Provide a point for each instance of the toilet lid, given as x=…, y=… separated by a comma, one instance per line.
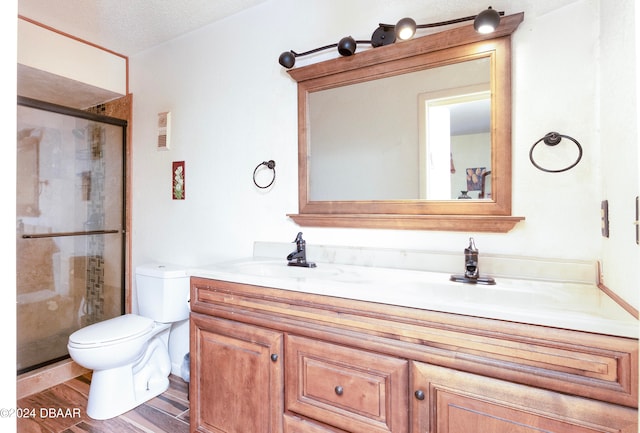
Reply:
x=118, y=328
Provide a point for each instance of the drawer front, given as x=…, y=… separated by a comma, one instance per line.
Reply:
x=295, y=424
x=351, y=389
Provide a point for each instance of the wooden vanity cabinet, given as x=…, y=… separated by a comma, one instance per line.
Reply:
x=277, y=361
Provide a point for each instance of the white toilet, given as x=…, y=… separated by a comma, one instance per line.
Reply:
x=129, y=354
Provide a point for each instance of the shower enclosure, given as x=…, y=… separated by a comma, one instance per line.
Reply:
x=70, y=226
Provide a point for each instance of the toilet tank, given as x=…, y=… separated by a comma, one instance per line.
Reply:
x=162, y=292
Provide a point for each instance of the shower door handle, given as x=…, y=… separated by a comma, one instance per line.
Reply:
x=61, y=234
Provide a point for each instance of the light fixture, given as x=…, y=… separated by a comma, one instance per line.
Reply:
x=346, y=47
x=485, y=22
x=405, y=28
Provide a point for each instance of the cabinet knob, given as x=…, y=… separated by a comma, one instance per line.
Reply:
x=419, y=394
x=274, y=357
x=338, y=389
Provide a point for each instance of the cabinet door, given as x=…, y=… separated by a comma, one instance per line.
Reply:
x=237, y=379
x=450, y=401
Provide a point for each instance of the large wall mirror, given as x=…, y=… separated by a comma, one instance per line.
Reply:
x=405, y=137
x=413, y=135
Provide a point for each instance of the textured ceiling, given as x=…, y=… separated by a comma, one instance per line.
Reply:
x=129, y=26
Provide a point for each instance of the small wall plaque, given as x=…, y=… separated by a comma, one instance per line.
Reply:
x=177, y=173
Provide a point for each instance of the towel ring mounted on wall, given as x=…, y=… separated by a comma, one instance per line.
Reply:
x=552, y=139
x=271, y=164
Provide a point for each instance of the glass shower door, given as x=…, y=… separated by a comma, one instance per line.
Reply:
x=70, y=233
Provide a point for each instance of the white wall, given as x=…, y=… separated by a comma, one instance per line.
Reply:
x=42, y=49
x=233, y=107
x=619, y=136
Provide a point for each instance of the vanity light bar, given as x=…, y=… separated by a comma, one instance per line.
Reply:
x=485, y=22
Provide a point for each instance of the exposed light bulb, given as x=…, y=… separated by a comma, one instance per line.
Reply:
x=486, y=28
x=487, y=21
x=405, y=28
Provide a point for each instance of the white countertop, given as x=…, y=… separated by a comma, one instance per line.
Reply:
x=569, y=305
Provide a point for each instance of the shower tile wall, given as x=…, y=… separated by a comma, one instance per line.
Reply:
x=95, y=220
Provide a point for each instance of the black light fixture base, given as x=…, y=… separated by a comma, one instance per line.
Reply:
x=383, y=36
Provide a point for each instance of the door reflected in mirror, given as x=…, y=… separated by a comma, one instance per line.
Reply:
x=455, y=140
x=405, y=137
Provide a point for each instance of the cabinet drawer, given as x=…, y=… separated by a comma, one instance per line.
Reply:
x=351, y=389
x=294, y=424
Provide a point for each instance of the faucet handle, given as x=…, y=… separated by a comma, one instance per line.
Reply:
x=472, y=245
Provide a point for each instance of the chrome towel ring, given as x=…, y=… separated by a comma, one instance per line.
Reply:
x=552, y=139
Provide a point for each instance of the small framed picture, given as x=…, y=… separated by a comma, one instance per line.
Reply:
x=474, y=178
x=177, y=176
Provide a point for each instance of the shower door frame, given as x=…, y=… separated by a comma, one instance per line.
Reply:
x=60, y=109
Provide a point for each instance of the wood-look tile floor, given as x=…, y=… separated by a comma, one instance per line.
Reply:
x=62, y=409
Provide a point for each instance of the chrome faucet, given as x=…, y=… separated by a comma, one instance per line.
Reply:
x=471, y=260
x=299, y=256
x=471, y=269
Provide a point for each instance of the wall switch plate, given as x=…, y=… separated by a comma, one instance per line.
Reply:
x=604, y=218
x=637, y=221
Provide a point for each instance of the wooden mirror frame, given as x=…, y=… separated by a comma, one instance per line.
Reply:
x=439, y=49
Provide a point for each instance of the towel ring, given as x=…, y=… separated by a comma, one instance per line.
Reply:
x=552, y=139
x=271, y=164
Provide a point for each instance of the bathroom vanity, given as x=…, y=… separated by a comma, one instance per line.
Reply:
x=365, y=349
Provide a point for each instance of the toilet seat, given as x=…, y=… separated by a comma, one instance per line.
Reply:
x=112, y=331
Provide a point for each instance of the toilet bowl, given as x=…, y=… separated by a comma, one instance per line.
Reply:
x=129, y=354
